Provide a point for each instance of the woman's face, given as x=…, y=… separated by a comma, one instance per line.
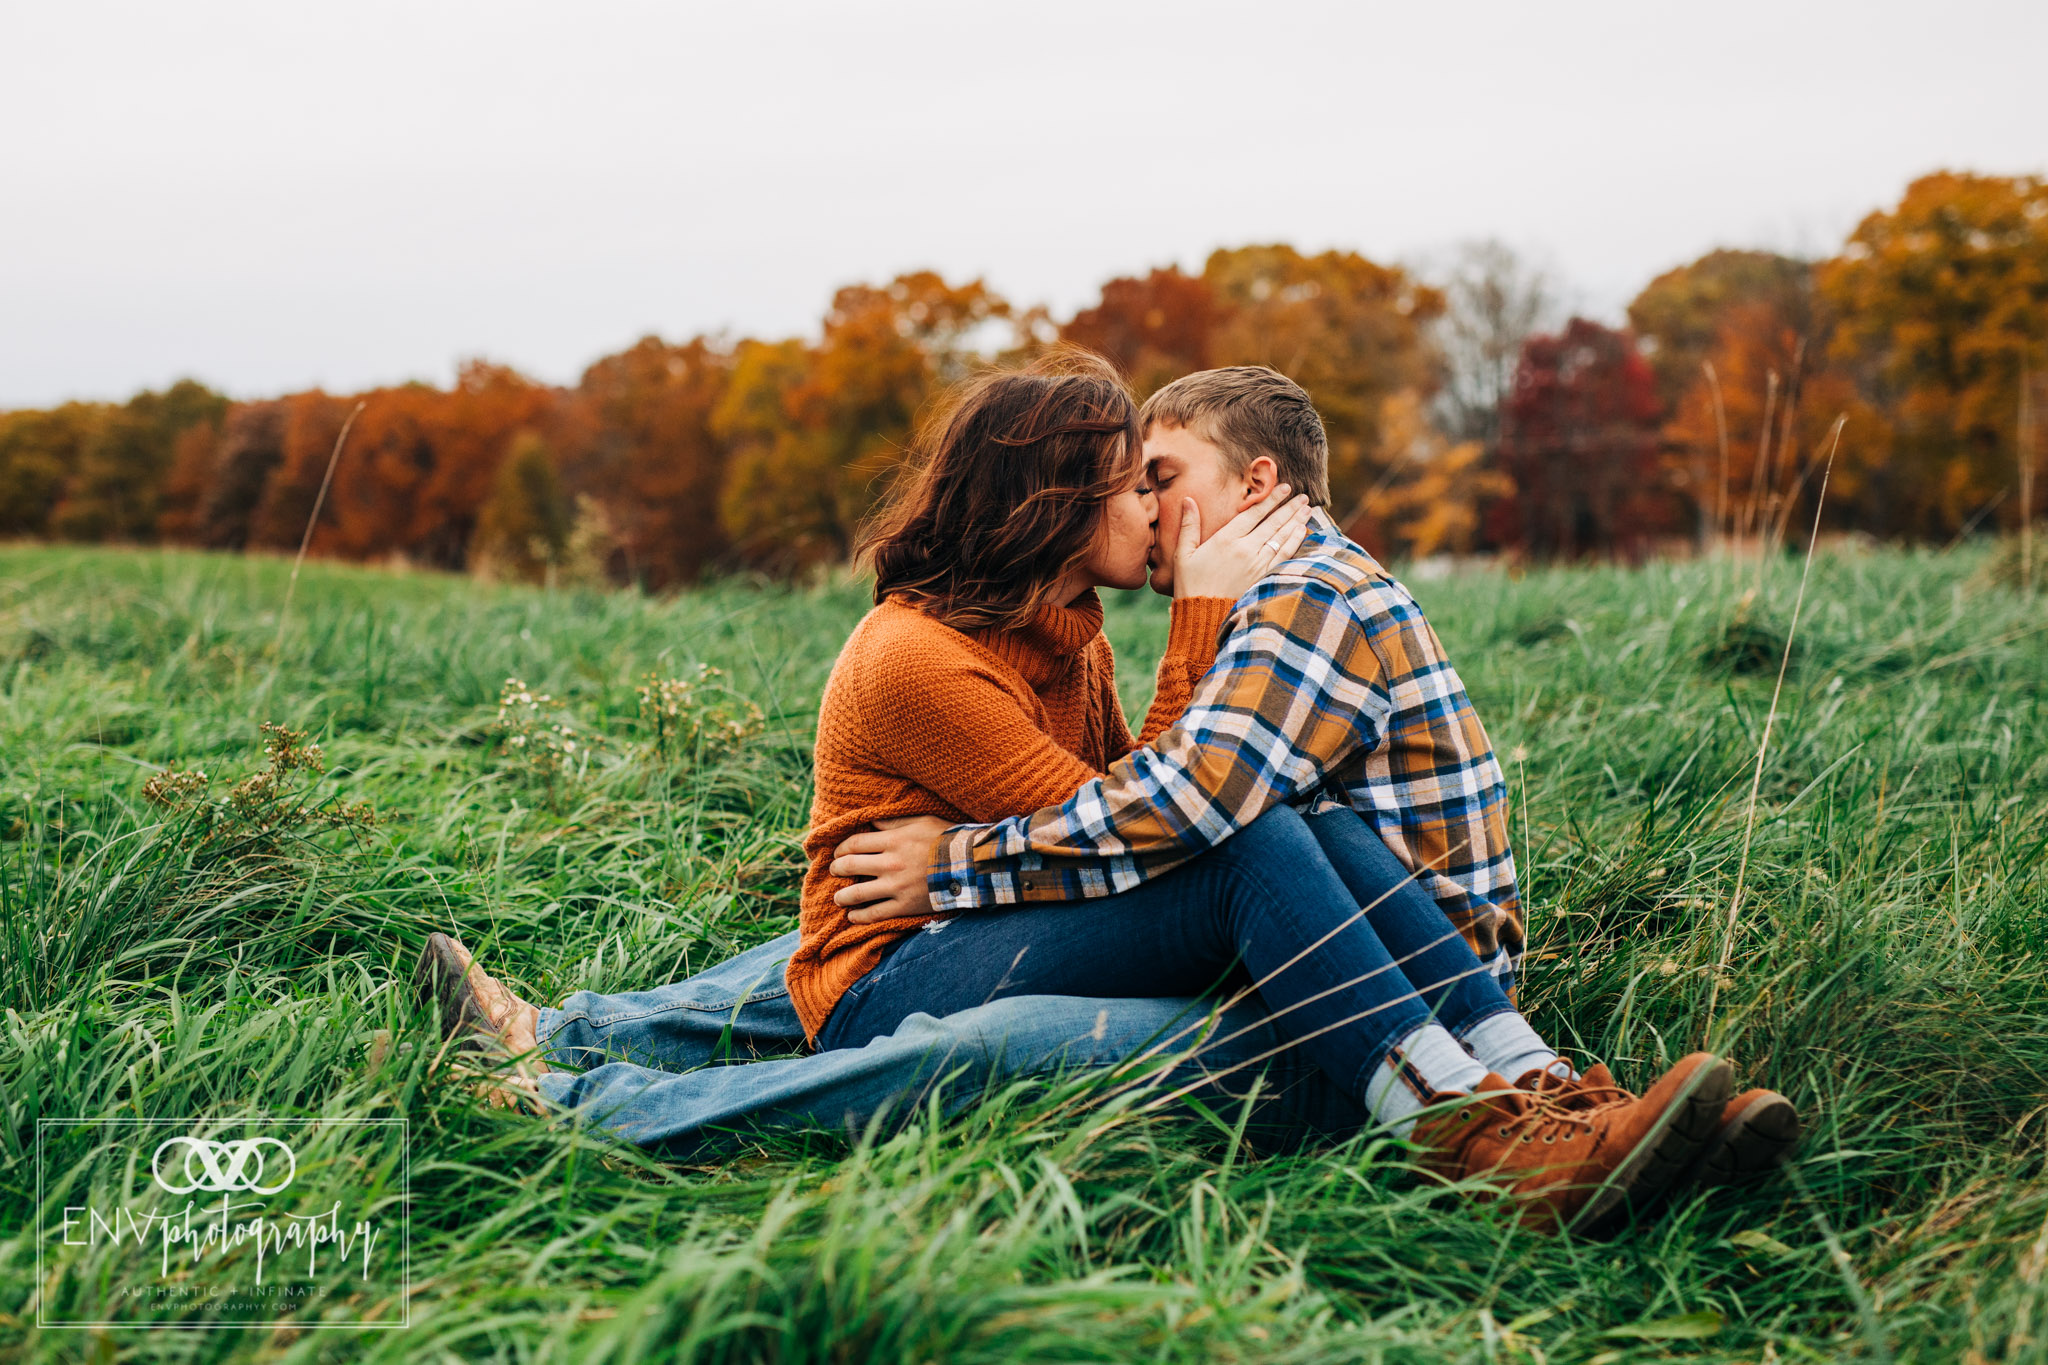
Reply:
x=1122, y=557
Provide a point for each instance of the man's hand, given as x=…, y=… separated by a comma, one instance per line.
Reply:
x=1228, y=563
x=892, y=860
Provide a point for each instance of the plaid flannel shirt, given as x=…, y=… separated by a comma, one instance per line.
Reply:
x=1329, y=689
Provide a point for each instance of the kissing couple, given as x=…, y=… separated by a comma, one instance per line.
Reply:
x=1298, y=870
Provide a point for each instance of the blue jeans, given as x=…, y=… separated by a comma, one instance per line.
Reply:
x=675, y=1098
x=652, y=1055
x=1270, y=898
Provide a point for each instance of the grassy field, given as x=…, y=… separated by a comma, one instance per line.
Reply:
x=1887, y=972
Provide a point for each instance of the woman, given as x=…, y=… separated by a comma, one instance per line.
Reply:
x=980, y=686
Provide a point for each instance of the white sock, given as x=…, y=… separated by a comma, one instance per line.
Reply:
x=1427, y=1062
x=1506, y=1045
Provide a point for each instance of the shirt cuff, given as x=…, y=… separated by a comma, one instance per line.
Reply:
x=949, y=881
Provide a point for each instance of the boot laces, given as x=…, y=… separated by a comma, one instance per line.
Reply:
x=1577, y=1096
x=1548, y=1121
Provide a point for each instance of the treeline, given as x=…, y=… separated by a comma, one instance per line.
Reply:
x=1463, y=414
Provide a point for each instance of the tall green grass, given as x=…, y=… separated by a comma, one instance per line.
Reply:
x=1887, y=973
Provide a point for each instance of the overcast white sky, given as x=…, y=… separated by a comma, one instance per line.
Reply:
x=269, y=196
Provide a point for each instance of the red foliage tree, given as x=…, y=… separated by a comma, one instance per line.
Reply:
x=1579, y=437
x=419, y=464
x=1154, y=329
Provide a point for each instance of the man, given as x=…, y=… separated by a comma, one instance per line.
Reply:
x=1330, y=693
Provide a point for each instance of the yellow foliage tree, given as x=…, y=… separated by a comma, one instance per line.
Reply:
x=1942, y=302
x=1431, y=492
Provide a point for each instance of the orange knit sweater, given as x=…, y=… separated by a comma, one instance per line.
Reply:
x=921, y=719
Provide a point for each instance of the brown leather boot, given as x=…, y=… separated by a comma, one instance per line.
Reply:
x=1756, y=1131
x=1578, y=1166
x=485, y=1024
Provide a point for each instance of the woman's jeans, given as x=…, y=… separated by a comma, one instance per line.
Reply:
x=653, y=1056
x=1270, y=897
x=678, y=1099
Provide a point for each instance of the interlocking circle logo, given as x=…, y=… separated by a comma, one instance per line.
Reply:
x=224, y=1166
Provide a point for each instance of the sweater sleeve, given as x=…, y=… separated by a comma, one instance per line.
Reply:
x=1190, y=649
x=951, y=727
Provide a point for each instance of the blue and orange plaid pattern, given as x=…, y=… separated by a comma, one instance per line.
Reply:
x=1329, y=689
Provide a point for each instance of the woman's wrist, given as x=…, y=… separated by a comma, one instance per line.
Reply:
x=1196, y=627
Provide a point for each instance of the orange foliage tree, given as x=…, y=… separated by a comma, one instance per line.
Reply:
x=1679, y=316
x=1943, y=302
x=1154, y=329
x=641, y=445
x=1348, y=330
x=1351, y=332
x=814, y=431
x=419, y=463
x=1749, y=436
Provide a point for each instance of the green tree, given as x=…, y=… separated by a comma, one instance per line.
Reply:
x=115, y=489
x=523, y=525
x=38, y=451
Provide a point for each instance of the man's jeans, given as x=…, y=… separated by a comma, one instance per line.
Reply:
x=1271, y=897
x=653, y=1055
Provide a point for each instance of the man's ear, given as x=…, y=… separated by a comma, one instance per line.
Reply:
x=1259, y=481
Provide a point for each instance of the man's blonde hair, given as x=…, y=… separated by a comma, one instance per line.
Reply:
x=1247, y=411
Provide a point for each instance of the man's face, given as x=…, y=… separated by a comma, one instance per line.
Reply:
x=1181, y=465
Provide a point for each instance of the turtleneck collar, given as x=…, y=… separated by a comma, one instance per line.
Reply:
x=1044, y=647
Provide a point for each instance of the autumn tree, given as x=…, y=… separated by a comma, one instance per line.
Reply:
x=1747, y=439
x=417, y=467
x=1153, y=329
x=1349, y=331
x=523, y=526
x=1579, y=439
x=1679, y=316
x=38, y=451
x=251, y=445
x=646, y=452
x=780, y=503
x=814, y=432
x=1943, y=302
x=193, y=457
x=1432, y=493
x=308, y=425
x=112, y=490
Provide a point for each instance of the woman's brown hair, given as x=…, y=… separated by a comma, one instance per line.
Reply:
x=1005, y=490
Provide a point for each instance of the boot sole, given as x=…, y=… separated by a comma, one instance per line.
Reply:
x=442, y=980
x=1752, y=1144
x=1664, y=1154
